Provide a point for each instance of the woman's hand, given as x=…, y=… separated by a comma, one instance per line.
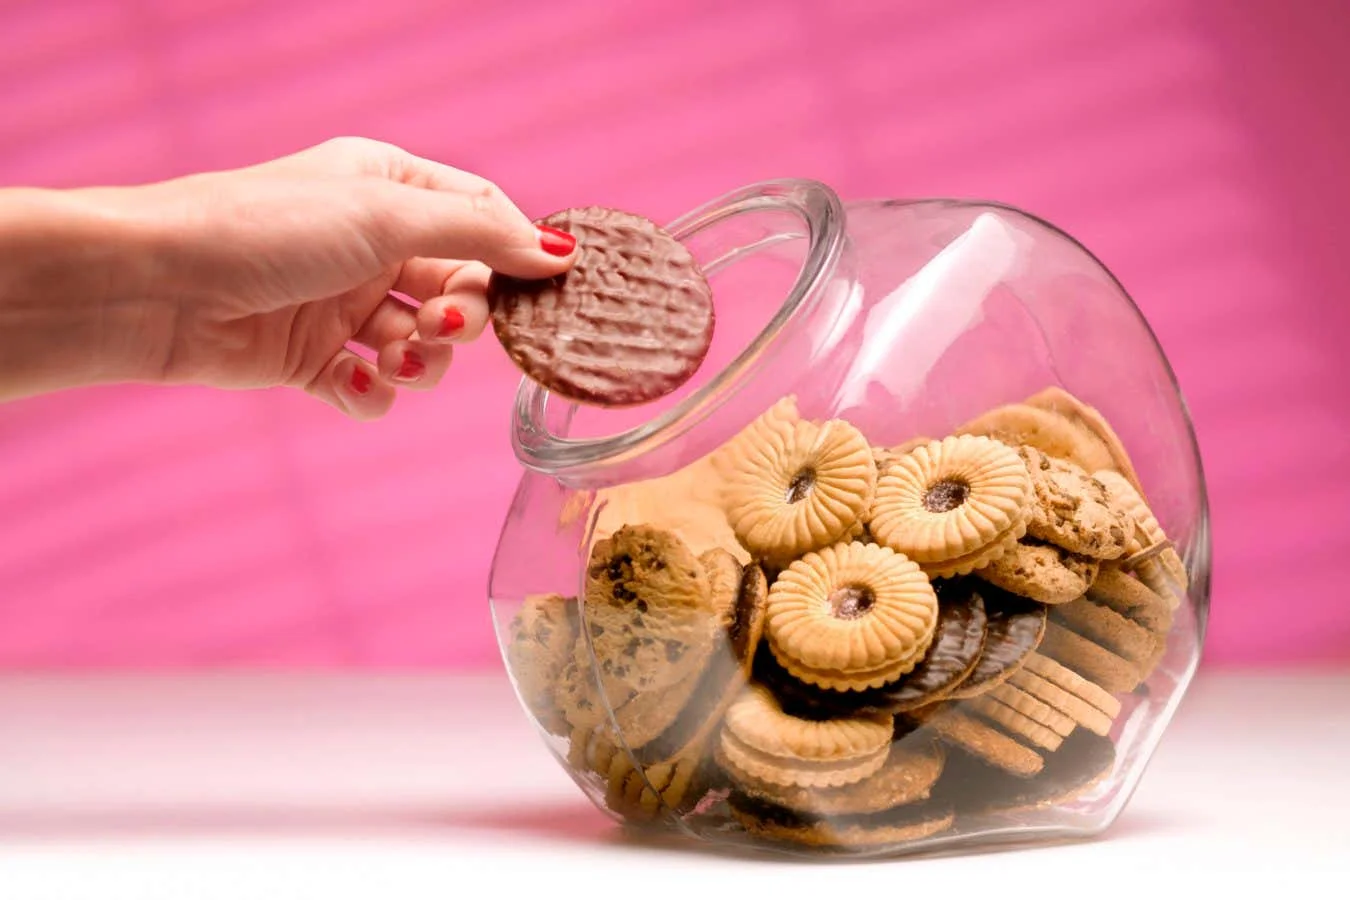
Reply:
x=262, y=276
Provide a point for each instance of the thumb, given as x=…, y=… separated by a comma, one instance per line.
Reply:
x=481, y=224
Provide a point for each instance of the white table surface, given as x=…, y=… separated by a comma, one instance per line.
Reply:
x=280, y=786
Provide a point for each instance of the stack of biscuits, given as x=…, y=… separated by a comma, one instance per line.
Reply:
x=849, y=647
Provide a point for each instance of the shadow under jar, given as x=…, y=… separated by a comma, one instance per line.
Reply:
x=919, y=559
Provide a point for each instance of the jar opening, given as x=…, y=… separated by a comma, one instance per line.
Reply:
x=768, y=251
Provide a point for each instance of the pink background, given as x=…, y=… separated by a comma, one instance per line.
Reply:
x=1198, y=147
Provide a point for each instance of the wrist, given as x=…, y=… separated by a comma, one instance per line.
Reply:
x=77, y=292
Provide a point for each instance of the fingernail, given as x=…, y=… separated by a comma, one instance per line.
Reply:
x=412, y=369
x=556, y=242
x=360, y=380
x=451, y=323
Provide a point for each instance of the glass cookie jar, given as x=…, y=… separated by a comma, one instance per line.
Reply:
x=920, y=558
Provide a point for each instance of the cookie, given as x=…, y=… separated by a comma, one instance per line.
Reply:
x=1014, y=723
x=685, y=503
x=1013, y=630
x=648, y=611
x=887, y=456
x=1019, y=424
x=724, y=582
x=911, y=769
x=643, y=795
x=1033, y=708
x=1073, y=510
x=1089, y=659
x=578, y=690
x=1068, y=680
x=630, y=322
x=760, y=742
x=913, y=443
x=793, y=486
x=1082, y=762
x=746, y=628
x=902, y=824
x=950, y=660
x=592, y=749
x=543, y=634
x=1131, y=598
x=986, y=742
x=976, y=788
x=1150, y=554
x=726, y=674
x=953, y=505
x=1108, y=628
x=658, y=659
x=1070, y=705
x=1041, y=572
x=1089, y=420
x=851, y=617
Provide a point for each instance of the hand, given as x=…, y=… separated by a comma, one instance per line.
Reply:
x=269, y=275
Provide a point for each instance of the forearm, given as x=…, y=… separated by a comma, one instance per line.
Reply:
x=77, y=278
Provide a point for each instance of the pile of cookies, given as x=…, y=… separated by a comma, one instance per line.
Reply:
x=848, y=646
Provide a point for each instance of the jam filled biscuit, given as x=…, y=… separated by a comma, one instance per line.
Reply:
x=851, y=617
x=911, y=769
x=953, y=505
x=950, y=660
x=761, y=743
x=630, y=322
x=793, y=486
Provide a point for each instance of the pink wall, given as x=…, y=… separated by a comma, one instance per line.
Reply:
x=1199, y=147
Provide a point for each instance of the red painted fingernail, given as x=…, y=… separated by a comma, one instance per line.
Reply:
x=412, y=368
x=451, y=322
x=360, y=380
x=556, y=242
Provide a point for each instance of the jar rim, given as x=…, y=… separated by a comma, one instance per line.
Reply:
x=821, y=212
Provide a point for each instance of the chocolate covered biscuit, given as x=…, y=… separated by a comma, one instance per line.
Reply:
x=629, y=323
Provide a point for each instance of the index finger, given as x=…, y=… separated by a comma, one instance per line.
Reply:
x=405, y=221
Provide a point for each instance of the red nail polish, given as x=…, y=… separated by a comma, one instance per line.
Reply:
x=360, y=380
x=451, y=323
x=412, y=367
x=556, y=242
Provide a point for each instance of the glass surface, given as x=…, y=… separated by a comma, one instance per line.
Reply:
x=920, y=558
